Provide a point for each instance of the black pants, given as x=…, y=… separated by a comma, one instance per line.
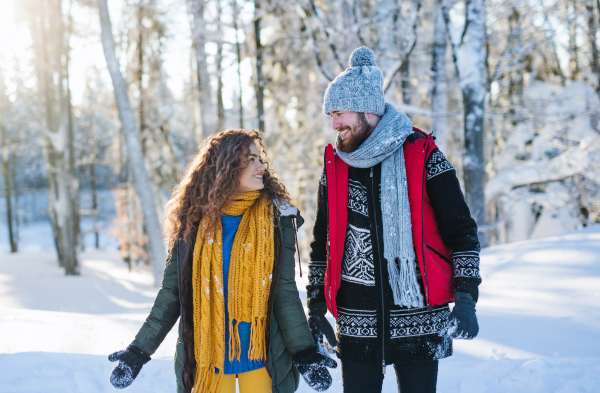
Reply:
x=420, y=377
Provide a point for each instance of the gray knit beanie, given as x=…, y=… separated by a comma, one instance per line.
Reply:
x=359, y=88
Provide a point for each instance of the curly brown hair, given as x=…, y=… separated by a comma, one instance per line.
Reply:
x=211, y=178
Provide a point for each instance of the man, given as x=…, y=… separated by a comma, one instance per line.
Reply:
x=393, y=242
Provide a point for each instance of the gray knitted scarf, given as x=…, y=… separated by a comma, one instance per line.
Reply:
x=385, y=145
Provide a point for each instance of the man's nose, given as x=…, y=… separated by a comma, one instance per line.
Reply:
x=335, y=124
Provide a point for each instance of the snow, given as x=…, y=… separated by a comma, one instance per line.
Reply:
x=534, y=174
x=539, y=317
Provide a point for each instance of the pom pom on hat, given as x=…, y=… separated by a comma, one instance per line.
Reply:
x=362, y=56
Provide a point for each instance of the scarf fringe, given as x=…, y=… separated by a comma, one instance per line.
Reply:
x=403, y=280
x=258, y=348
x=207, y=380
x=235, y=349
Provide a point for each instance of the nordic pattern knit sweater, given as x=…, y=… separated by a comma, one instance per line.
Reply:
x=370, y=327
x=230, y=226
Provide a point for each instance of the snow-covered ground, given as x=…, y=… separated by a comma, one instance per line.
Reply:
x=539, y=314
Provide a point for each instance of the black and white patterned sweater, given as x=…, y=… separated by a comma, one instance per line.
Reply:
x=370, y=327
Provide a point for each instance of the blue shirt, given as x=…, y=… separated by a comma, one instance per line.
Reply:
x=230, y=226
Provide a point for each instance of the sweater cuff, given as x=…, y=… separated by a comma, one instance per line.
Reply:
x=468, y=285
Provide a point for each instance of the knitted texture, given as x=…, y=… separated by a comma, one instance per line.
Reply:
x=252, y=258
x=385, y=145
x=359, y=88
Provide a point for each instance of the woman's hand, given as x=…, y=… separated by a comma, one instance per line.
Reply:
x=311, y=365
x=130, y=364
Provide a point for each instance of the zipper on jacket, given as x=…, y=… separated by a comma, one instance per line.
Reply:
x=380, y=273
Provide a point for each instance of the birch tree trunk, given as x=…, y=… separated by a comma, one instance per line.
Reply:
x=239, y=59
x=595, y=60
x=469, y=60
x=141, y=177
x=218, y=62
x=260, y=83
x=573, y=47
x=385, y=14
x=516, y=74
x=592, y=30
x=6, y=167
x=48, y=37
x=439, y=93
x=207, y=115
x=75, y=189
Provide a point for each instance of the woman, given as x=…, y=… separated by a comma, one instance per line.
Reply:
x=230, y=277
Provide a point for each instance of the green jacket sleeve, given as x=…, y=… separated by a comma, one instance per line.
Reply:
x=286, y=304
x=165, y=311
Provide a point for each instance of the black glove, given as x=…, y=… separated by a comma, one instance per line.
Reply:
x=131, y=361
x=311, y=365
x=462, y=322
x=319, y=326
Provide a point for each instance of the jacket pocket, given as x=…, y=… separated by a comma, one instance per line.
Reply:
x=439, y=254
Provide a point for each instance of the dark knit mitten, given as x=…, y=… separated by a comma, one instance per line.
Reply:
x=319, y=326
x=311, y=365
x=462, y=322
x=130, y=363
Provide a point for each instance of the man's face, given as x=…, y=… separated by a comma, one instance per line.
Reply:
x=353, y=129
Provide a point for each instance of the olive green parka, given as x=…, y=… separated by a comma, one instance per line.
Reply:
x=287, y=330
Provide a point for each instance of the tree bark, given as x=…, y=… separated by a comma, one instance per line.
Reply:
x=49, y=43
x=72, y=165
x=592, y=31
x=218, y=62
x=515, y=75
x=469, y=53
x=595, y=61
x=6, y=167
x=95, y=201
x=405, y=82
x=386, y=23
x=239, y=60
x=260, y=83
x=207, y=116
x=439, y=93
x=573, y=48
x=141, y=177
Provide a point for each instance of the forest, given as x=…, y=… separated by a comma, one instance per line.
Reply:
x=102, y=104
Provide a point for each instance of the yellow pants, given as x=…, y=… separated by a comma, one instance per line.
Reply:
x=256, y=381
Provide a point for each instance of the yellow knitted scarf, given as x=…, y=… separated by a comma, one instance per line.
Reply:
x=250, y=274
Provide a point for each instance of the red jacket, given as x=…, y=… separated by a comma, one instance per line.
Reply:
x=433, y=256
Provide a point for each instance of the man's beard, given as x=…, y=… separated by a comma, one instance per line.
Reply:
x=359, y=133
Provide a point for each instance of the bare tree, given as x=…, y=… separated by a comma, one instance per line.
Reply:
x=199, y=38
x=469, y=59
x=6, y=166
x=260, y=82
x=239, y=59
x=141, y=177
x=573, y=47
x=48, y=33
x=219, y=73
x=439, y=93
x=592, y=31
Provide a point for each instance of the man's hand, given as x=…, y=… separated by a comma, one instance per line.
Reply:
x=319, y=327
x=130, y=363
x=462, y=322
x=312, y=365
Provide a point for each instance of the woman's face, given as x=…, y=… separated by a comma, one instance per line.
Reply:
x=252, y=175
